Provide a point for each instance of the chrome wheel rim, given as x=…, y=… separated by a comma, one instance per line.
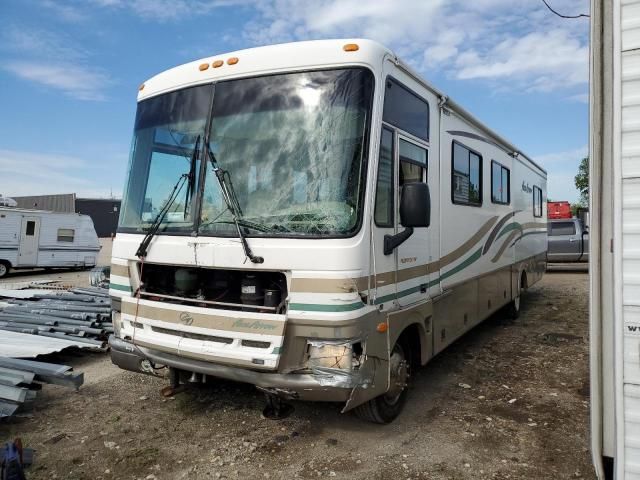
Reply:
x=3, y=269
x=399, y=375
x=516, y=302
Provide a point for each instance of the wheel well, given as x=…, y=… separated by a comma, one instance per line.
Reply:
x=412, y=336
x=523, y=281
x=6, y=262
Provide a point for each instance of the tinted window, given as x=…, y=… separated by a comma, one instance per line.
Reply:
x=384, y=187
x=466, y=176
x=537, y=202
x=31, y=228
x=405, y=110
x=66, y=234
x=562, y=228
x=413, y=162
x=500, y=188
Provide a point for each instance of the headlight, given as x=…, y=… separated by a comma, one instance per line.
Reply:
x=330, y=354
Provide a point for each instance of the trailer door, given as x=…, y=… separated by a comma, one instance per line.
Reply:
x=29, y=240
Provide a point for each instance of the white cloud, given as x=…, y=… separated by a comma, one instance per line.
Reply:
x=561, y=170
x=514, y=45
x=34, y=173
x=168, y=10
x=80, y=82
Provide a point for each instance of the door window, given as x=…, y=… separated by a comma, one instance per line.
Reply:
x=31, y=228
x=562, y=228
x=413, y=162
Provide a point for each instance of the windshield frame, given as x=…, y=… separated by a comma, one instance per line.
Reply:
x=204, y=171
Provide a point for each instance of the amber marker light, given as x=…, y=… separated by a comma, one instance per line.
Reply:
x=382, y=327
x=203, y=66
x=351, y=47
x=232, y=61
x=141, y=87
x=217, y=64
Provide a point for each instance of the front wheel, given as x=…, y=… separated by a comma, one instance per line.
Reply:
x=4, y=269
x=386, y=407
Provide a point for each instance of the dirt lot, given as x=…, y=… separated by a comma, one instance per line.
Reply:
x=507, y=401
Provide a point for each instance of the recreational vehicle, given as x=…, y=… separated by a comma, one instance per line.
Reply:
x=614, y=198
x=315, y=219
x=36, y=238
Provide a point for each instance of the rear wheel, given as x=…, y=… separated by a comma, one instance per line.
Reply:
x=386, y=407
x=4, y=269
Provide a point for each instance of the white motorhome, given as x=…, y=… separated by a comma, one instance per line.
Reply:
x=615, y=238
x=315, y=219
x=37, y=238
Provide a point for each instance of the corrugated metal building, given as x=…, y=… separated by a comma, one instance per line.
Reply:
x=103, y=212
x=65, y=202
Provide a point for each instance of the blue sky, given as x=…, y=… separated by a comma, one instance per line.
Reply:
x=70, y=70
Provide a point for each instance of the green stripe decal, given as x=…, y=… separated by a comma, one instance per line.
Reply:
x=313, y=307
x=124, y=288
x=471, y=259
x=508, y=228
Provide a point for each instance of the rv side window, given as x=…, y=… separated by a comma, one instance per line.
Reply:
x=500, y=185
x=31, y=229
x=537, y=202
x=65, y=234
x=406, y=110
x=466, y=176
x=383, y=214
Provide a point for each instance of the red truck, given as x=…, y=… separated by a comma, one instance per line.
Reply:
x=557, y=210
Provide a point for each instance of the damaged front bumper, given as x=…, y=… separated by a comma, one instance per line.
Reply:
x=322, y=384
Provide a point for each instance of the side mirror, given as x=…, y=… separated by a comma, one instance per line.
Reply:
x=415, y=212
x=415, y=205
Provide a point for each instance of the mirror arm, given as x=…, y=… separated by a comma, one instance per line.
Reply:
x=391, y=242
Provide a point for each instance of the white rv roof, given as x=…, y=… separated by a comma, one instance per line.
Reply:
x=38, y=212
x=298, y=56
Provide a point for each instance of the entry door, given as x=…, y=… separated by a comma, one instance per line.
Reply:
x=412, y=257
x=29, y=241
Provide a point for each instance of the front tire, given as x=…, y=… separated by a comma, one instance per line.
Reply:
x=513, y=309
x=4, y=269
x=386, y=407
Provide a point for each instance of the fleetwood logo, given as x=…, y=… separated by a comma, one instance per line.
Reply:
x=526, y=187
x=186, y=318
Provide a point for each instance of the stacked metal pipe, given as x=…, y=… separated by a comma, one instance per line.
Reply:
x=81, y=314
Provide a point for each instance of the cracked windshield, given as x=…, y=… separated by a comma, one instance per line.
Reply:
x=292, y=148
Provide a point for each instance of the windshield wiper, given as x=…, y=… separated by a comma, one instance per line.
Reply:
x=155, y=225
x=230, y=198
x=191, y=186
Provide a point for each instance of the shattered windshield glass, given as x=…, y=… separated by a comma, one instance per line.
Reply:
x=293, y=146
x=166, y=133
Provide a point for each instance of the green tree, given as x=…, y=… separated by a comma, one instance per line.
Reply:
x=582, y=180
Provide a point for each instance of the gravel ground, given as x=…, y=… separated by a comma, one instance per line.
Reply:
x=507, y=401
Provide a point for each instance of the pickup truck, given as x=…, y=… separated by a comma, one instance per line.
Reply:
x=568, y=241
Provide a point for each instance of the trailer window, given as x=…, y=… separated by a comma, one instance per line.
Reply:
x=406, y=110
x=466, y=176
x=500, y=185
x=383, y=214
x=31, y=229
x=537, y=202
x=66, y=234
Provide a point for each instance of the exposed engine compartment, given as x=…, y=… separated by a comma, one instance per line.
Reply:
x=255, y=291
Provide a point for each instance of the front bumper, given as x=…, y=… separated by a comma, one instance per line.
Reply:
x=128, y=356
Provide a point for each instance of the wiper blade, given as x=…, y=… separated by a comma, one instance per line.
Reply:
x=153, y=228
x=230, y=198
x=191, y=186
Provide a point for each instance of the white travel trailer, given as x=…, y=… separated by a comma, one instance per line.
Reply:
x=315, y=219
x=36, y=238
x=615, y=238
